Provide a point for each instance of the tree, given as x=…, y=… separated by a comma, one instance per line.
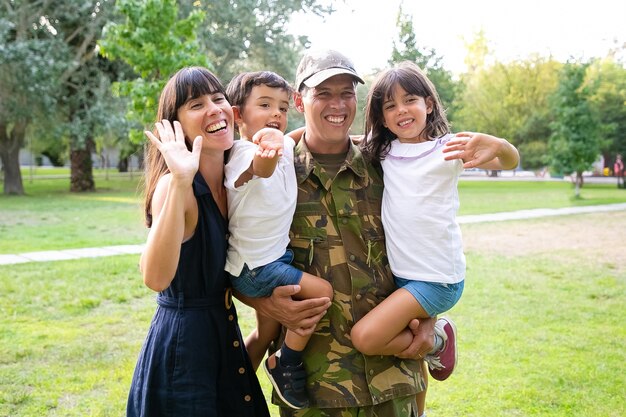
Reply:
x=606, y=80
x=576, y=139
x=30, y=67
x=68, y=30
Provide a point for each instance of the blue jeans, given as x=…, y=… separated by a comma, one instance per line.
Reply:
x=261, y=281
x=434, y=297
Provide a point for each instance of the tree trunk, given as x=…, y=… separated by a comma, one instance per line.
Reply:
x=10, y=145
x=81, y=170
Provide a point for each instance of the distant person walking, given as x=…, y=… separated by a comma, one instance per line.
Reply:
x=618, y=170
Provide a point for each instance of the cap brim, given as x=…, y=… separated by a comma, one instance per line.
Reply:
x=320, y=77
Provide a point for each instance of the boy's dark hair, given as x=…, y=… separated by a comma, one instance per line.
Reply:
x=239, y=88
x=411, y=78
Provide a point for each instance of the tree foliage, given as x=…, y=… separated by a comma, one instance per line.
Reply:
x=606, y=81
x=248, y=35
x=510, y=100
x=155, y=41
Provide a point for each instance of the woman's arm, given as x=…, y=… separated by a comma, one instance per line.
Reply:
x=173, y=208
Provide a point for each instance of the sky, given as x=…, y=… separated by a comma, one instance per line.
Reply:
x=364, y=29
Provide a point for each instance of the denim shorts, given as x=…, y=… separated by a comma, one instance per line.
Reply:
x=434, y=297
x=261, y=281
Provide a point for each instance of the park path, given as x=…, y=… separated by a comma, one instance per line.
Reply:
x=68, y=254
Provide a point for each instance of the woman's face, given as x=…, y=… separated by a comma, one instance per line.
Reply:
x=211, y=117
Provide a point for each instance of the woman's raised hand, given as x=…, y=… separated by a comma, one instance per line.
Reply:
x=171, y=143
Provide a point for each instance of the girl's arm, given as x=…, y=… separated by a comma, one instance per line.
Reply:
x=172, y=205
x=479, y=150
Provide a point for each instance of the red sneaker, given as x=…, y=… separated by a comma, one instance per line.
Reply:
x=441, y=364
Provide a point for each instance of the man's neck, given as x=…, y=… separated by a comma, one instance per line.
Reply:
x=320, y=146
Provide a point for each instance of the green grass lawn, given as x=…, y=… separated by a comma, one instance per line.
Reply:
x=539, y=335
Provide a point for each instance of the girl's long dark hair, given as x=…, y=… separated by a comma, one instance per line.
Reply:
x=187, y=84
x=408, y=75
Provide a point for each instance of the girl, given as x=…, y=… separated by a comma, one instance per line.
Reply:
x=408, y=134
x=193, y=362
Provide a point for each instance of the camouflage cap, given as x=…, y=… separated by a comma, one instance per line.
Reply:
x=317, y=67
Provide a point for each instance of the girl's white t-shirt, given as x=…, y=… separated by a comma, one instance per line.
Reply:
x=260, y=211
x=419, y=207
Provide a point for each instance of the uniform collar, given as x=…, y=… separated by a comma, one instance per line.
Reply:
x=305, y=163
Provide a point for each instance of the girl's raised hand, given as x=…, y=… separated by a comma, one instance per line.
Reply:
x=171, y=143
x=475, y=149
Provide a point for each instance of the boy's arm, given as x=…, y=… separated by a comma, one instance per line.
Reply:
x=271, y=143
x=479, y=150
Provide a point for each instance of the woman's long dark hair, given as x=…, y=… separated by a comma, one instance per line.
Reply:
x=187, y=84
x=408, y=75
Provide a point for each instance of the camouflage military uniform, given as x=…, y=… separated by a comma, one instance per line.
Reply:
x=337, y=234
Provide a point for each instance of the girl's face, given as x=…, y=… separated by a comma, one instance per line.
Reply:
x=264, y=107
x=405, y=115
x=211, y=117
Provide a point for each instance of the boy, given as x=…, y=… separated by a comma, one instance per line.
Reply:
x=261, y=186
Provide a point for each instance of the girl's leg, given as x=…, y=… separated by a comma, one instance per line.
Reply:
x=383, y=331
x=259, y=340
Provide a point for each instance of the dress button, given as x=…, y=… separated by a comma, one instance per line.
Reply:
x=247, y=398
x=242, y=371
x=231, y=317
x=371, y=372
x=352, y=258
x=358, y=297
x=236, y=343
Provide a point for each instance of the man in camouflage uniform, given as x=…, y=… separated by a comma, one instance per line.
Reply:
x=337, y=234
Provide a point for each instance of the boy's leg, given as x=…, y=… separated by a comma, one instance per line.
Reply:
x=285, y=368
x=259, y=340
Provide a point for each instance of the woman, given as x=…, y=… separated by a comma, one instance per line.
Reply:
x=193, y=362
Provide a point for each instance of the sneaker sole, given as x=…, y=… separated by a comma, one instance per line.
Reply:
x=280, y=395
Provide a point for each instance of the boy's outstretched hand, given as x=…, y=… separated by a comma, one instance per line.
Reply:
x=271, y=142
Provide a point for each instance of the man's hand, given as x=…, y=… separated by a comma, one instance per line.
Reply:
x=300, y=316
x=423, y=339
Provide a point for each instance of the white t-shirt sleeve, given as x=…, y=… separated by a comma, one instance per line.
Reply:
x=241, y=156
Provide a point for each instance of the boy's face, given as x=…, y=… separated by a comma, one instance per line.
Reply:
x=265, y=107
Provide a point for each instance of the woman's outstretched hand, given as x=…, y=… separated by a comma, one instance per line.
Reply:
x=171, y=143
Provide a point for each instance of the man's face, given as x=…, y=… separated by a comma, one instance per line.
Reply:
x=329, y=111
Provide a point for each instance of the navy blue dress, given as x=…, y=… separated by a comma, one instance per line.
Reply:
x=194, y=362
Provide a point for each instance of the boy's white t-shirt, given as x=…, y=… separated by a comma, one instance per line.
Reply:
x=259, y=212
x=420, y=202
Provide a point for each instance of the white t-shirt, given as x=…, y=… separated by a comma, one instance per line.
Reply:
x=260, y=211
x=419, y=207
